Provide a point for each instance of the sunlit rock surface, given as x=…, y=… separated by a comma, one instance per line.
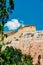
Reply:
x=29, y=43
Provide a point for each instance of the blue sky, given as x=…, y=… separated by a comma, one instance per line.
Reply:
x=29, y=11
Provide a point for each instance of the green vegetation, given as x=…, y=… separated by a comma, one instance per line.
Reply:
x=4, y=15
x=11, y=56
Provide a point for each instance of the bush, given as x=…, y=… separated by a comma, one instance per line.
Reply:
x=11, y=56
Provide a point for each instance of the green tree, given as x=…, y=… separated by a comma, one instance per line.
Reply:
x=27, y=58
x=11, y=56
x=4, y=14
x=1, y=61
x=1, y=27
x=36, y=64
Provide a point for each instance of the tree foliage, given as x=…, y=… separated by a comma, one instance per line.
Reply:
x=4, y=14
x=11, y=56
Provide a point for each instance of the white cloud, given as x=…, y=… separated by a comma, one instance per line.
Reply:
x=13, y=24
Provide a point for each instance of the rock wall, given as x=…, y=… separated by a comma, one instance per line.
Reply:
x=34, y=46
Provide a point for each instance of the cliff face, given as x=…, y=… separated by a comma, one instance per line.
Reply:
x=29, y=41
x=19, y=33
x=32, y=45
x=33, y=48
